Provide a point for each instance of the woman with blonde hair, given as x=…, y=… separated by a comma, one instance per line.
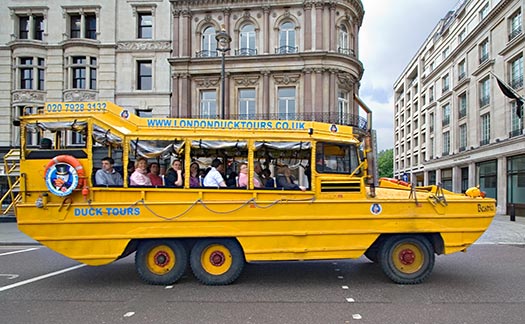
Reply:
x=285, y=179
x=139, y=176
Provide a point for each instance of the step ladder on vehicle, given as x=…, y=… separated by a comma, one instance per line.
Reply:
x=12, y=175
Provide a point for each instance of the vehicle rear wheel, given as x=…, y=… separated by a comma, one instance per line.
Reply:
x=407, y=259
x=161, y=262
x=217, y=261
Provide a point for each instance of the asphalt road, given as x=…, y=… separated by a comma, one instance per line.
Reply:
x=485, y=285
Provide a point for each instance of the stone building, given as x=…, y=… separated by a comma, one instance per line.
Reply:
x=288, y=59
x=453, y=125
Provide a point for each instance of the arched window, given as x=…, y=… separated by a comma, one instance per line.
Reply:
x=287, y=38
x=209, y=43
x=344, y=41
x=247, y=40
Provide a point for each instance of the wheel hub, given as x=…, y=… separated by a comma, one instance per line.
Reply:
x=161, y=258
x=407, y=256
x=217, y=258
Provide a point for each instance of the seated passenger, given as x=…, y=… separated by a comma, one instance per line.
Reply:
x=174, y=177
x=231, y=182
x=214, y=177
x=243, y=175
x=108, y=176
x=269, y=182
x=285, y=180
x=257, y=172
x=194, y=175
x=139, y=176
x=46, y=143
x=153, y=175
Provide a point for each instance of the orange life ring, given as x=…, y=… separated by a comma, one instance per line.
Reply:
x=71, y=161
x=399, y=182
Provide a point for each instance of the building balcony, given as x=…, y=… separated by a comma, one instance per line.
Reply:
x=207, y=53
x=515, y=32
x=287, y=50
x=346, y=51
x=517, y=83
x=246, y=52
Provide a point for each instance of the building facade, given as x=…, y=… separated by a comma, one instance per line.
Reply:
x=453, y=125
x=288, y=59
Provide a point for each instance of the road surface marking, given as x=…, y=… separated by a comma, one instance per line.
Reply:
x=20, y=251
x=350, y=300
x=129, y=314
x=357, y=316
x=28, y=281
x=9, y=276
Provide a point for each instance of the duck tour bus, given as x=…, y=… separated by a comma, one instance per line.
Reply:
x=99, y=183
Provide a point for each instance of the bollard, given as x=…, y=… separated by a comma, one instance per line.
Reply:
x=512, y=213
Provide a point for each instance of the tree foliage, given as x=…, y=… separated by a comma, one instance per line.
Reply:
x=385, y=163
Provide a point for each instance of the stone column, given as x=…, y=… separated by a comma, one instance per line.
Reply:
x=318, y=90
x=185, y=95
x=266, y=29
x=332, y=28
x=175, y=108
x=266, y=92
x=502, y=185
x=308, y=26
x=472, y=180
x=456, y=179
x=332, y=93
x=308, y=90
x=319, y=26
x=186, y=33
x=176, y=33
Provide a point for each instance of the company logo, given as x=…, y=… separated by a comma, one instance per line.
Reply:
x=334, y=128
x=485, y=208
x=61, y=179
x=124, y=114
x=376, y=209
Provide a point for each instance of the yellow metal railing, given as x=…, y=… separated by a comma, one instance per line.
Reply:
x=12, y=173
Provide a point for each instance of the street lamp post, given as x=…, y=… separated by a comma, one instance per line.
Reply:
x=223, y=45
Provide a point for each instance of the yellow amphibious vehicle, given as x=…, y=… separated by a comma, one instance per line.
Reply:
x=290, y=190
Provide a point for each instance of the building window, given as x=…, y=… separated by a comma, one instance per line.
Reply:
x=462, y=137
x=145, y=113
x=144, y=75
x=484, y=11
x=445, y=53
x=83, y=25
x=516, y=72
x=488, y=177
x=145, y=25
x=446, y=179
x=515, y=121
x=446, y=115
x=462, y=35
x=343, y=105
x=431, y=149
x=462, y=105
x=464, y=179
x=445, y=83
x=516, y=179
x=286, y=102
x=247, y=104
x=446, y=143
x=247, y=41
x=462, y=70
x=287, y=38
x=431, y=122
x=31, y=27
x=208, y=104
x=208, y=43
x=430, y=94
x=31, y=72
x=83, y=72
x=515, y=25
x=484, y=92
x=484, y=51
x=344, y=41
x=485, y=130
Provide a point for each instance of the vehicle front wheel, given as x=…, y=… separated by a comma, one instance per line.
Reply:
x=217, y=261
x=407, y=259
x=161, y=262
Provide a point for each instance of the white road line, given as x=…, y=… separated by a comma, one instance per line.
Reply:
x=28, y=281
x=20, y=251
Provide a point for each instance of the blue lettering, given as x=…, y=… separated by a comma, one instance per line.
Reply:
x=137, y=212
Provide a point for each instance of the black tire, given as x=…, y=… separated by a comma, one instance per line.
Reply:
x=161, y=262
x=217, y=261
x=407, y=259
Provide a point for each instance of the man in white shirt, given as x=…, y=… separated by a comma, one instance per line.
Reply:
x=214, y=177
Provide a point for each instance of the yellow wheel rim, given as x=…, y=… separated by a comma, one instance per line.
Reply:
x=161, y=259
x=216, y=259
x=408, y=257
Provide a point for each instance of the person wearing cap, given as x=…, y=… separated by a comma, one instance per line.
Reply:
x=108, y=176
x=214, y=177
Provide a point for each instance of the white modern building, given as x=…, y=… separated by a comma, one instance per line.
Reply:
x=453, y=125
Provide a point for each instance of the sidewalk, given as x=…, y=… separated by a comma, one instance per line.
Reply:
x=501, y=231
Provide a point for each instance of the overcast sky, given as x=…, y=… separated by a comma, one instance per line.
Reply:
x=390, y=36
